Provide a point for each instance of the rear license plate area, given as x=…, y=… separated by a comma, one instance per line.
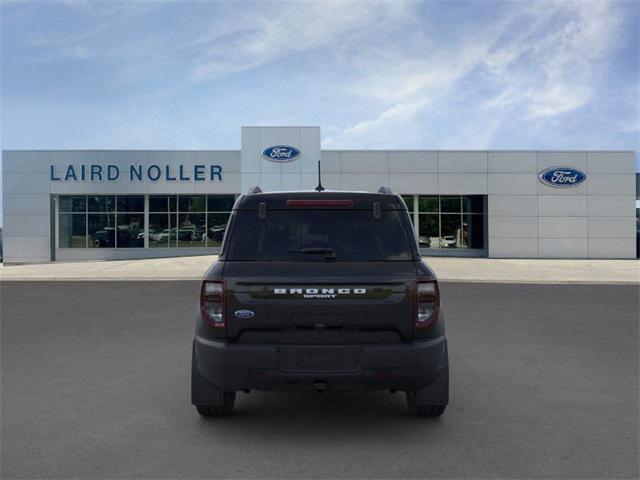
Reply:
x=320, y=358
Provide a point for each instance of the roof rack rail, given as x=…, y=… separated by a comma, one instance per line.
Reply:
x=255, y=189
x=384, y=189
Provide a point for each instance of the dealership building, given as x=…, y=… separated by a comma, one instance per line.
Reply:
x=70, y=205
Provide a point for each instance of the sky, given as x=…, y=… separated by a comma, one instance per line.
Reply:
x=372, y=74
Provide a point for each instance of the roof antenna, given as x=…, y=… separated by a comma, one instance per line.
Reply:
x=319, y=188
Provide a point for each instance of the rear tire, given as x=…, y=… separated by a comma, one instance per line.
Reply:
x=224, y=410
x=209, y=400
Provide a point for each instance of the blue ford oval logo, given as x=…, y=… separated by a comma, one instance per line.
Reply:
x=562, y=177
x=244, y=314
x=281, y=153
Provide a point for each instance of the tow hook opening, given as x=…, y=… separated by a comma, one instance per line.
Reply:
x=319, y=386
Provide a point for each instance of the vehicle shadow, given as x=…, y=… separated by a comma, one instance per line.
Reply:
x=347, y=416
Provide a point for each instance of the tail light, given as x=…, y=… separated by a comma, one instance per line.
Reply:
x=212, y=303
x=427, y=303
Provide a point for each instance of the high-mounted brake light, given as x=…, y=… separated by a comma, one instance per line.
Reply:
x=320, y=203
x=212, y=303
x=427, y=303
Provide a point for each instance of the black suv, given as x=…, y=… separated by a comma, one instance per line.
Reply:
x=320, y=290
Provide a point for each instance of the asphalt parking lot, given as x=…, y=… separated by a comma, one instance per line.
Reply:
x=95, y=384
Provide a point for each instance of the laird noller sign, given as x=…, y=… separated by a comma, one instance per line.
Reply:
x=135, y=173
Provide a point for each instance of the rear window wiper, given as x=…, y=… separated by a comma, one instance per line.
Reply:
x=330, y=253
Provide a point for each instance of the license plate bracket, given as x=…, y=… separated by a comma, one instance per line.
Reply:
x=319, y=358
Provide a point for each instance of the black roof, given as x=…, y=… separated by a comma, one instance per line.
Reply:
x=361, y=200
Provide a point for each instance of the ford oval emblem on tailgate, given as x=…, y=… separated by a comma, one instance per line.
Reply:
x=244, y=314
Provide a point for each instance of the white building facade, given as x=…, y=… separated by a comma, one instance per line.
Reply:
x=112, y=204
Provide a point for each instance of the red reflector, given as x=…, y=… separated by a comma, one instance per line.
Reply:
x=319, y=203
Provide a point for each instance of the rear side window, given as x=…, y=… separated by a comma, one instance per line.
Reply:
x=315, y=235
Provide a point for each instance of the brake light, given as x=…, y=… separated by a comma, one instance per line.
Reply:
x=427, y=303
x=320, y=203
x=212, y=303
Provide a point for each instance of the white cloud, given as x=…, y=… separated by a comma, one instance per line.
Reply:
x=538, y=60
x=283, y=29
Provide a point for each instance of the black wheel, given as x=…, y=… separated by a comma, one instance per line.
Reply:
x=226, y=409
x=420, y=410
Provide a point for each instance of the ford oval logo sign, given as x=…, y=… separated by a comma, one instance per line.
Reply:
x=244, y=314
x=562, y=177
x=281, y=153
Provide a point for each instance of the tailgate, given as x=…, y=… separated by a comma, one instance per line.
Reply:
x=318, y=303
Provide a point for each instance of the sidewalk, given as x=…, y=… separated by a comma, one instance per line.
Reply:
x=447, y=269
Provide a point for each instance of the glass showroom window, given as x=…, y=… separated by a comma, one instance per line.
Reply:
x=72, y=221
x=188, y=221
x=101, y=221
x=130, y=221
x=429, y=221
x=218, y=213
x=409, y=201
x=451, y=221
x=162, y=221
x=192, y=214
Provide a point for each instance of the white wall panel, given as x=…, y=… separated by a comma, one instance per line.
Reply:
x=293, y=181
x=598, y=184
x=270, y=182
x=310, y=147
x=26, y=249
x=125, y=157
x=611, y=162
x=363, y=181
x=461, y=184
x=562, y=159
x=513, y=248
x=612, y=248
x=562, y=247
x=32, y=161
x=230, y=184
x=611, y=205
x=413, y=161
x=562, y=205
x=331, y=161
x=26, y=225
x=28, y=204
x=75, y=157
x=249, y=180
x=21, y=183
x=512, y=162
x=364, y=162
x=513, y=227
x=330, y=181
x=513, y=183
x=513, y=205
x=229, y=160
x=462, y=162
x=411, y=183
x=562, y=227
x=612, y=227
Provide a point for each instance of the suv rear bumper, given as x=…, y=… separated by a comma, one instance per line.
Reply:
x=411, y=366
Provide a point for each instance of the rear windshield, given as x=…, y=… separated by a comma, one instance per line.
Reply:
x=320, y=235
